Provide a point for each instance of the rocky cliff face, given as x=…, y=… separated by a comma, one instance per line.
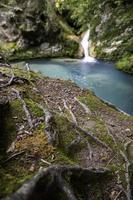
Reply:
x=112, y=33
x=31, y=29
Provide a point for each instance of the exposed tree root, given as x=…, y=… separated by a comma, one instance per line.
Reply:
x=45, y=162
x=127, y=165
x=11, y=79
x=66, y=189
x=94, y=138
x=62, y=182
x=14, y=156
x=24, y=107
x=71, y=113
x=127, y=176
x=49, y=126
x=86, y=109
x=80, y=129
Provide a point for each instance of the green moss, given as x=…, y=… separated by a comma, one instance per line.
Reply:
x=8, y=46
x=64, y=159
x=17, y=110
x=11, y=178
x=91, y=101
x=65, y=131
x=34, y=109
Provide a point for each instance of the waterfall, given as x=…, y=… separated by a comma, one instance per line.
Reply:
x=85, y=45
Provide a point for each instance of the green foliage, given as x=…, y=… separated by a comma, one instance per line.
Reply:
x=126, y=64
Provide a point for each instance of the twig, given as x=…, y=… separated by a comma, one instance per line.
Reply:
x=118, y=195
x=46, y=162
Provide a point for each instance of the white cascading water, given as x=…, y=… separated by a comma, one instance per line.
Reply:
x=85, y=45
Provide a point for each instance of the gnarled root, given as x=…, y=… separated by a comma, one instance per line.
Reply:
x=62, y=182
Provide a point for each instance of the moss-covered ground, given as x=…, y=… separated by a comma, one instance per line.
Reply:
x=30, y=147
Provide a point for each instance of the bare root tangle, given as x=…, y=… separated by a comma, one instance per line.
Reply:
x=86, y=109
x=71, y=113
x=24, y=107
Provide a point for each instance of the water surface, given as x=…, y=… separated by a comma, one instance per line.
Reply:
x=107, y=82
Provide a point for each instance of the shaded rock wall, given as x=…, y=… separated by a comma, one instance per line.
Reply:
x=31, y=29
